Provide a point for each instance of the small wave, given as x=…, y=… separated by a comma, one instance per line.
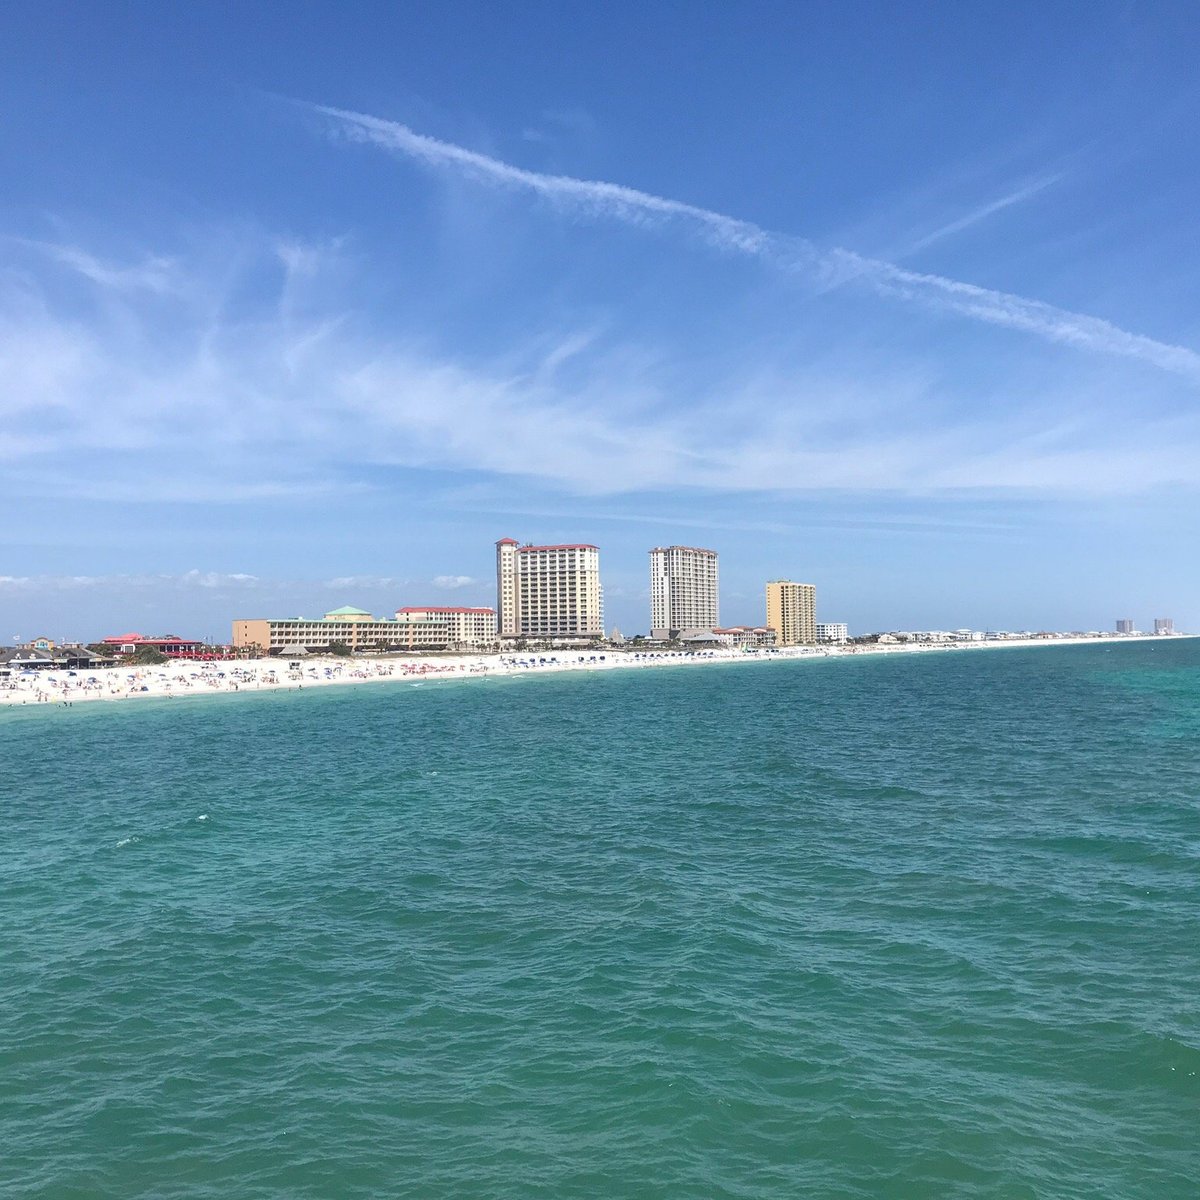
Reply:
x=202, y=817
x=126, y=841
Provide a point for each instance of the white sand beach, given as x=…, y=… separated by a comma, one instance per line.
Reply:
x=186, y=678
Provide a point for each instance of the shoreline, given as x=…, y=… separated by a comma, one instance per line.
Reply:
x=188, y=678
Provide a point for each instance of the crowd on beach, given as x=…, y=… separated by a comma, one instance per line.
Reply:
x=185, y=677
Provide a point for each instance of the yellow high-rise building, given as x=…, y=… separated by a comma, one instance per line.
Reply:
x=792, y=612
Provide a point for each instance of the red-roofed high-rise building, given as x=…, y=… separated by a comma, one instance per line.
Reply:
x=548, y=591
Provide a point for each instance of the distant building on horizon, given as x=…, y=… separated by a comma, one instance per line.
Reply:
x=832, y=632
x=548, y=591
x=1164, y=625
x=792, y=612
x=1125, y=625
x=684, y=590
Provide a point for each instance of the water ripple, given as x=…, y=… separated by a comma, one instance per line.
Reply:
x=919, y=927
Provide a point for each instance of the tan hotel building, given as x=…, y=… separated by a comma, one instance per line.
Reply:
x=792, y=612
x=429, y=628
x=548, y=591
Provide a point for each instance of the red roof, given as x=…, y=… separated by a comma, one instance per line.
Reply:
x=438, y=608
x=573, y=546
x=133, y=639
x=507, y=542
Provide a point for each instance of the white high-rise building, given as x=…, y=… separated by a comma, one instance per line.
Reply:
x=683, y=590
x=548, y=591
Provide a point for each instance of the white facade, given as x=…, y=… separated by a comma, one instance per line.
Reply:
x=832, y=631
x=747, y=637
x=450, y=627
x=684, y=591
x=549, y=591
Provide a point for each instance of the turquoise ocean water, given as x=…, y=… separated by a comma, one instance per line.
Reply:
x=896, y=927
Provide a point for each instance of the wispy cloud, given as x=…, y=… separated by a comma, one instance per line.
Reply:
x=361, y=582
x=154, y=273
x=831, y=267
x=217, y=579
x=188, y=580
x=559, y=123
x=237, y=584
x=136, y=401
x=596, y=197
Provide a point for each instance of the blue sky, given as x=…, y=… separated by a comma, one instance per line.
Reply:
x=308, y=306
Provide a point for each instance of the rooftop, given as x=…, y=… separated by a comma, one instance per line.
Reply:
x=440, y=608
x=158, y=639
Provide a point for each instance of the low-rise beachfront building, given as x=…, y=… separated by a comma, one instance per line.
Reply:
x=832, y=632
x=792, y=612
x=25, y=658
x=431, y=627
x=67, y=657
x=354, y=628
x=700, y=639
x=747, y=637
x=164, y=643
x=441, y=628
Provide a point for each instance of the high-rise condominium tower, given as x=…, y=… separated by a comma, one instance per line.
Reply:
x=683, y=590
x=792, y=612
x=507, y=622
x=548, y=591
x=1164, y=625
x=1124, y=624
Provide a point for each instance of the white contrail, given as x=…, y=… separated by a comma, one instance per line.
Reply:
x=602, y=199
x=982, y=213
x=598, y=198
